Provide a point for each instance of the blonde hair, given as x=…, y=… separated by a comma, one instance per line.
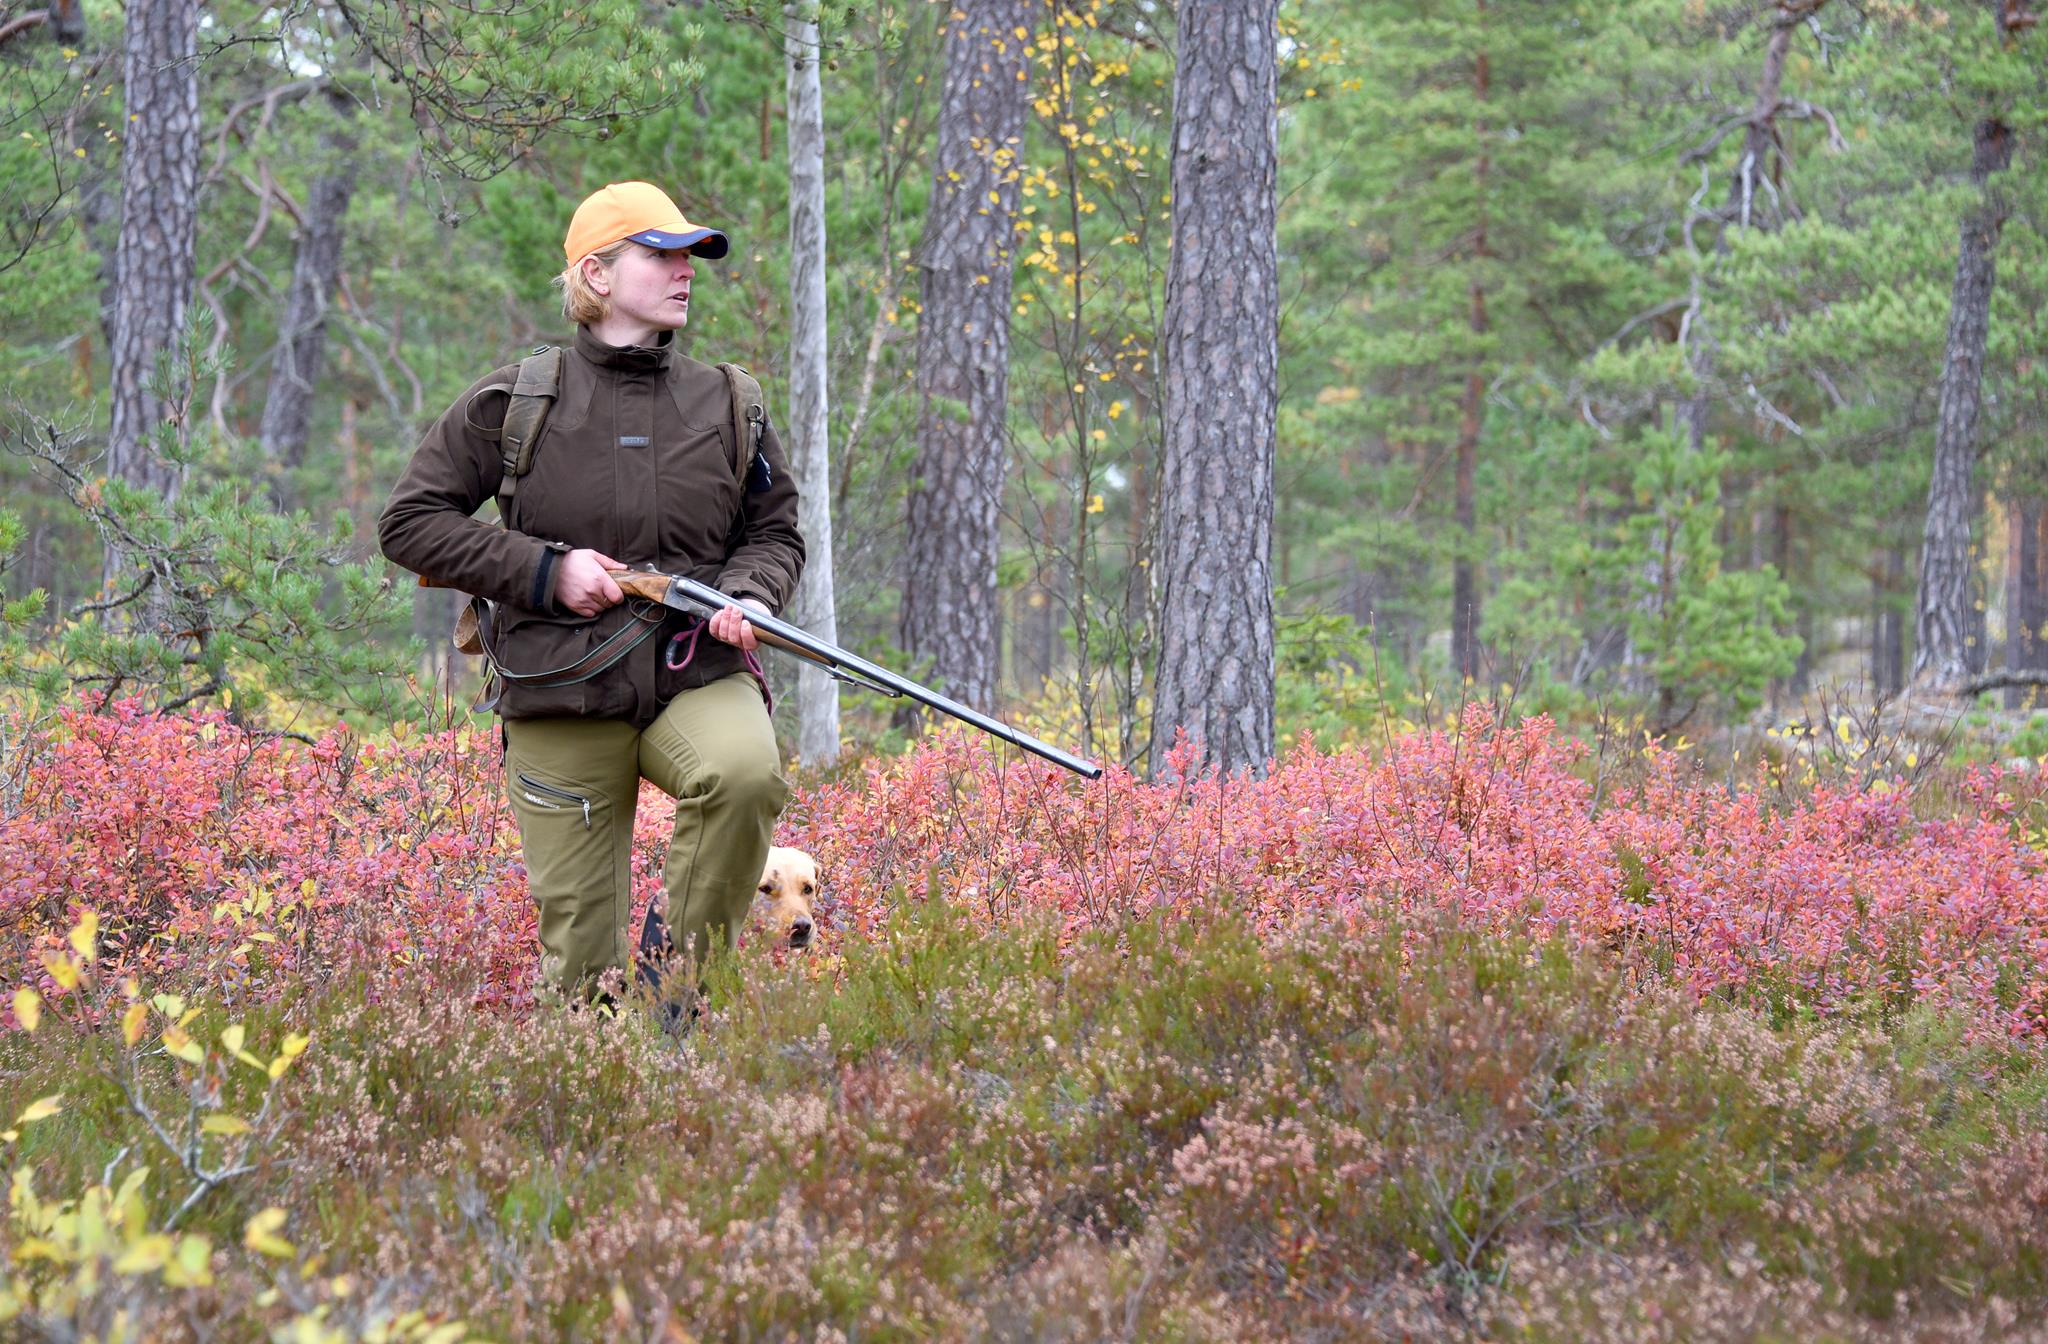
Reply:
x=580, y=303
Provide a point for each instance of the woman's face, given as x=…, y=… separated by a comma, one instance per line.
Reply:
x=649, y=290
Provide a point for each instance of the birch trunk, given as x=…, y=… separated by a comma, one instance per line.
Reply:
x=817, y=695
x=1221, y=368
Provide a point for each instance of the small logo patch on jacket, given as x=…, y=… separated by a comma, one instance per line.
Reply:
x=634, y=440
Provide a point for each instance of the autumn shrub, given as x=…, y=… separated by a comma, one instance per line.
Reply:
x=254, y=861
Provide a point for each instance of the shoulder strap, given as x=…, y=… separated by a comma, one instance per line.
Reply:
x=749, y=417
x=750, y=466
x=526, y=415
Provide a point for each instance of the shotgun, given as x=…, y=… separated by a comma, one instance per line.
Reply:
x=704, y=601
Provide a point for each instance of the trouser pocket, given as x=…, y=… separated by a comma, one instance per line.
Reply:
x=539, y=793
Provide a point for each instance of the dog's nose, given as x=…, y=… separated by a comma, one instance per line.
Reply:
x=800, y=933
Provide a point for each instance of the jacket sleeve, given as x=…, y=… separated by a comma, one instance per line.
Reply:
x=428, y=527
x=770, y=556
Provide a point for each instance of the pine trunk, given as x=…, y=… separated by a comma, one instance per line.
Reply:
x=815, y=608
x=1944, y=643
x=1221, y=366
x=2026, y=647
x=153, y=259
x=1464, y=570
x=302, y=336
x=963, y=353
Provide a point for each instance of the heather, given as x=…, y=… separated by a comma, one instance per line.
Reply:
x=1440, y=1040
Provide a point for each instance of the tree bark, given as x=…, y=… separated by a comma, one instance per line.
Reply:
x=1221, y=367
x=153, y=260
x=1944, y=647
x=817, y=695
x=302, y=335
x=963, y=353
x=287, y=410
x=1464, y=569
x=2026, y=607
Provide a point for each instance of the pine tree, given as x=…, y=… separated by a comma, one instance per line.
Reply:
x=1221, y=361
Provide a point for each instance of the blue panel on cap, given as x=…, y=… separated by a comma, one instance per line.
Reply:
x=708, y=243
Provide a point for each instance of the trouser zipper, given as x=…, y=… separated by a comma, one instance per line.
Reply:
x=548, y=796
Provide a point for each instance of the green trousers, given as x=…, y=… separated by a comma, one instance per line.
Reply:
x=574, y=783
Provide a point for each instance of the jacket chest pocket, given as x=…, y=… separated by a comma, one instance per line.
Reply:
x=568, y=497
x=700, y=495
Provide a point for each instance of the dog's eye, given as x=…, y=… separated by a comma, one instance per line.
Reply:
x=767, y=889
x=808, y=888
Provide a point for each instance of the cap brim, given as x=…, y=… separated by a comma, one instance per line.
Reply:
x=708, y=243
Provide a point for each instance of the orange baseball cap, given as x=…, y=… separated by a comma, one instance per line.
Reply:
x=642, y=212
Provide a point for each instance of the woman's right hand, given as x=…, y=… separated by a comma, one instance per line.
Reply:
x=582, y=584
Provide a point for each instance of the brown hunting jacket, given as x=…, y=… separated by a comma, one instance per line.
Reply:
x=639, y=460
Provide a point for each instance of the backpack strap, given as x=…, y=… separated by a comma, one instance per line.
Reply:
x=749, y=423
x=526, y=417
x=750, y=464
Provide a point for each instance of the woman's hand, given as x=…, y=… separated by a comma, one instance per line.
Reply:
x=730, y=624
x=583, y=586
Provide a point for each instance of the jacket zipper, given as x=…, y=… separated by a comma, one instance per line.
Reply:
x=548, y=796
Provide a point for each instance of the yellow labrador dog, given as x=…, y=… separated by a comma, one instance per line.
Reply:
x=789, y=883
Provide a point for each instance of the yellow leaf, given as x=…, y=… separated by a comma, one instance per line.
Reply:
x=222, y=1123
x=227, y=697
x=86, y=933
x=1095, y=504
x=261, y=1235
x=181, y=1046
x=63, y=970
x=42, y=1108
x=446, y=1334
x=145, y=1256
x=28, y=1008
x=231, y=1039
x=295, y=1044
x=170, y=1005
x=133, y=1021
x=193, y=1266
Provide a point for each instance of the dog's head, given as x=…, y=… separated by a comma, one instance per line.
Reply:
x=789, y=883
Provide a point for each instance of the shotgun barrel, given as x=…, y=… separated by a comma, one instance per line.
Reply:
x=685, y=594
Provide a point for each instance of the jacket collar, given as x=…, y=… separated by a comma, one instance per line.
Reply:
x=626, y=359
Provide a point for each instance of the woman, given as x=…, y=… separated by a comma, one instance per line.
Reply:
x=639, y=464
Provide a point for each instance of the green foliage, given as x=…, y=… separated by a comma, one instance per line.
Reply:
x=1333, y=683
x=212, y=588
x=1697, y=629
x=1575, y=197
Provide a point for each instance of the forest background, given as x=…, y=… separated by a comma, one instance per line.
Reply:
x=1611, y=353
x=1628, y=473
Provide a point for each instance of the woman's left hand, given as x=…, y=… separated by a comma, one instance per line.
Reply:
x=731, y=625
